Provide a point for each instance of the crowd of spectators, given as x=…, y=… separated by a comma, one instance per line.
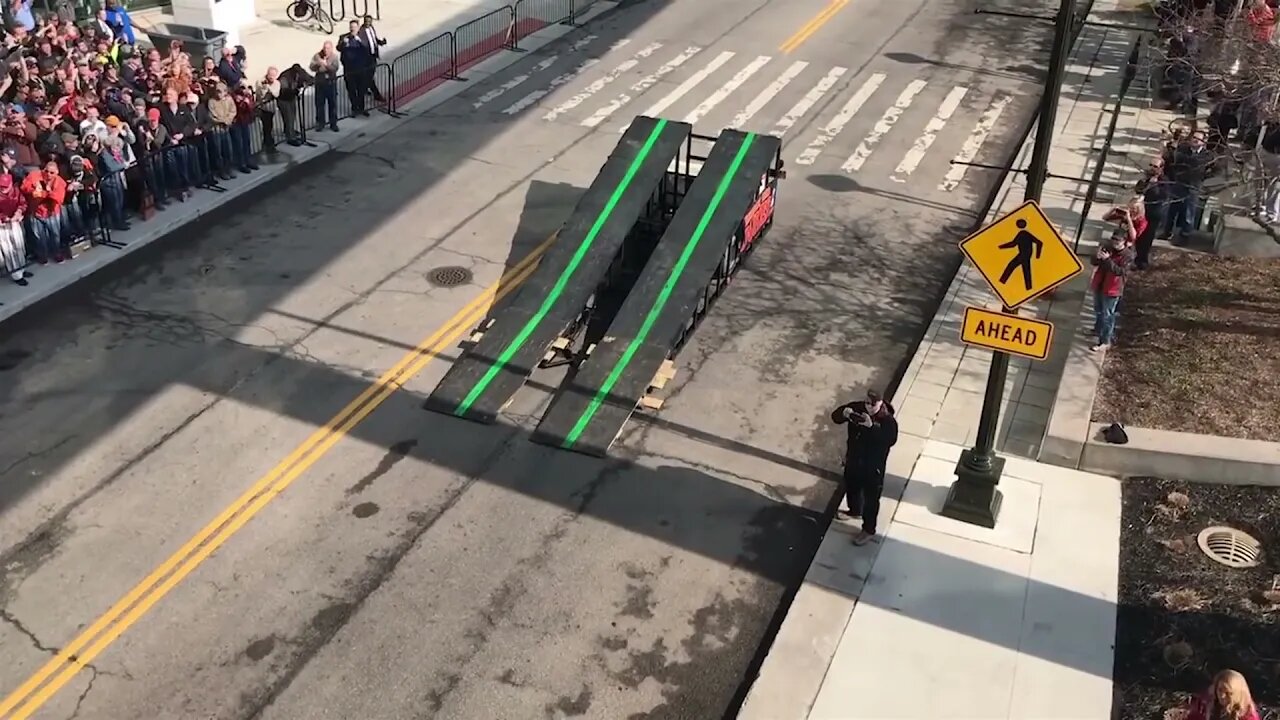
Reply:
x=1218, y=52
x=97, y=131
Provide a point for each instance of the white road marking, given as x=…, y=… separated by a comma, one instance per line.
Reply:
x=841, y=119
x=807, y=102
x=727, y=89
x=973, y=144
x=519, y=79
x=912, y=159
x=883, y=126
x=758, y=102
x=683, y=88
x=559, y=80
x=600, y=84
x=642, y=85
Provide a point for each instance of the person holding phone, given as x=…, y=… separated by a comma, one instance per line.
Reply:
x=873, y=431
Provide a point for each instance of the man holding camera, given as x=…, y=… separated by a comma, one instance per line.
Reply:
x=873, y=431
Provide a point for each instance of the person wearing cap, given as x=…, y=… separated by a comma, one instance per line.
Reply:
x=81, y=206
x=222, y=115
x=9, y=164
x=160, y=172
x=229, y=68
x=13, y=242
x=21, y=135
x=46, y=191
x=872, y=431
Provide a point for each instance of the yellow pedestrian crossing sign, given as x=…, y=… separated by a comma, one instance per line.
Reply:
x=1021, y=255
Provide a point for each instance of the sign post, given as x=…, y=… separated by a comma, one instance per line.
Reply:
x=973, y=497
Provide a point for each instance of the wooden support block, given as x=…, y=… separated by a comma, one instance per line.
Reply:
x=667, y=369
x=650, y=402
x=475, y=337
x=561, y=343
x=658, y=382
x=590, y=347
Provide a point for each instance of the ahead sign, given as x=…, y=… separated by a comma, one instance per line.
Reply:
x=1007, y=333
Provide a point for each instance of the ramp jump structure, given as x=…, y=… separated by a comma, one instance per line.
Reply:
x=619, y=303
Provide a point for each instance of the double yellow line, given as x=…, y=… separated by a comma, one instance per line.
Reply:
x=812, y=26
x=81, y=651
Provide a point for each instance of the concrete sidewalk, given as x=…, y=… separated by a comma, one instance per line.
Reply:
x=939, y=619
x=412, y=23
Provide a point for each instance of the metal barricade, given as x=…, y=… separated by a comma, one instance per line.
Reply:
x=483, y=37
x=422, y=68
x=533, y=15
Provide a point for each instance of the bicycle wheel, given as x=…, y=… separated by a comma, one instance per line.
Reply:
x=300, y=11
x=324, y=20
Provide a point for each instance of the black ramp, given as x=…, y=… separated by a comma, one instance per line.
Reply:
x=483, y=381
x=589, y=413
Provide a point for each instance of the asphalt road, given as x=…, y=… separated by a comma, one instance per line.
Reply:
x=417, y=566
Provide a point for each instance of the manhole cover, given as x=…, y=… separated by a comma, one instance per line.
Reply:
x=1230, y=547
x=450, y=276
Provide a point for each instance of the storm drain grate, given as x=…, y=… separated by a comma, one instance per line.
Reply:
x=449, y=276
x=1230, y=547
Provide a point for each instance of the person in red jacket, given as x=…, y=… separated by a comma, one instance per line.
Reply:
x=1112, y=263
x=1226, y=698
x=13, y=245
x=46, y=191
x=1262, y=18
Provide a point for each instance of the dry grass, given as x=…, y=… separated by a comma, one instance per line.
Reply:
x=1197, y=348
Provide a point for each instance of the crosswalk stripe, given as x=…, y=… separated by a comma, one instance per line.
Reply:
x=683, y=88
x=519, y=79
x=727, y=89
x=759, y=101
x=883, y=126
x=973, y=143
x=600, y=83
x=643, y=84
x=559, y=80
x=841, y=119
x=810, y=99
x=912, y=159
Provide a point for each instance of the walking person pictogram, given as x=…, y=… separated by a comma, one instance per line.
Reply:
x=1026, y=244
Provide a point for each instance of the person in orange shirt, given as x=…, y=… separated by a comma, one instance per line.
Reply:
x=46, y=191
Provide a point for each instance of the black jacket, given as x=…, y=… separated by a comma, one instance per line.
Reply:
x=181, y=122
x=868, y=447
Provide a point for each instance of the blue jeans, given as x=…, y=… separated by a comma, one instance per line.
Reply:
x=327, y=95
x=1104, y=316
x=240, y=144
x=218, y=143
x=177, y=167
x=47, y=233
x=1184, y=202
x=113, y=201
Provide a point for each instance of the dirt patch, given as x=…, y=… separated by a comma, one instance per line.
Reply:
x=1197, y=348
x=1183, y=617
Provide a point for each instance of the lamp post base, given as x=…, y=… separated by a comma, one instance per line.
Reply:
x=973, y=497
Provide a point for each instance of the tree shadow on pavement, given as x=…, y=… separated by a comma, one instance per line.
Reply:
x=83, y=363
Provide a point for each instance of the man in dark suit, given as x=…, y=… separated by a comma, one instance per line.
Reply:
x=357, y=64
x=375, y=44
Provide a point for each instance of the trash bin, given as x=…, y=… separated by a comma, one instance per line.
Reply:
x=198, y=42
